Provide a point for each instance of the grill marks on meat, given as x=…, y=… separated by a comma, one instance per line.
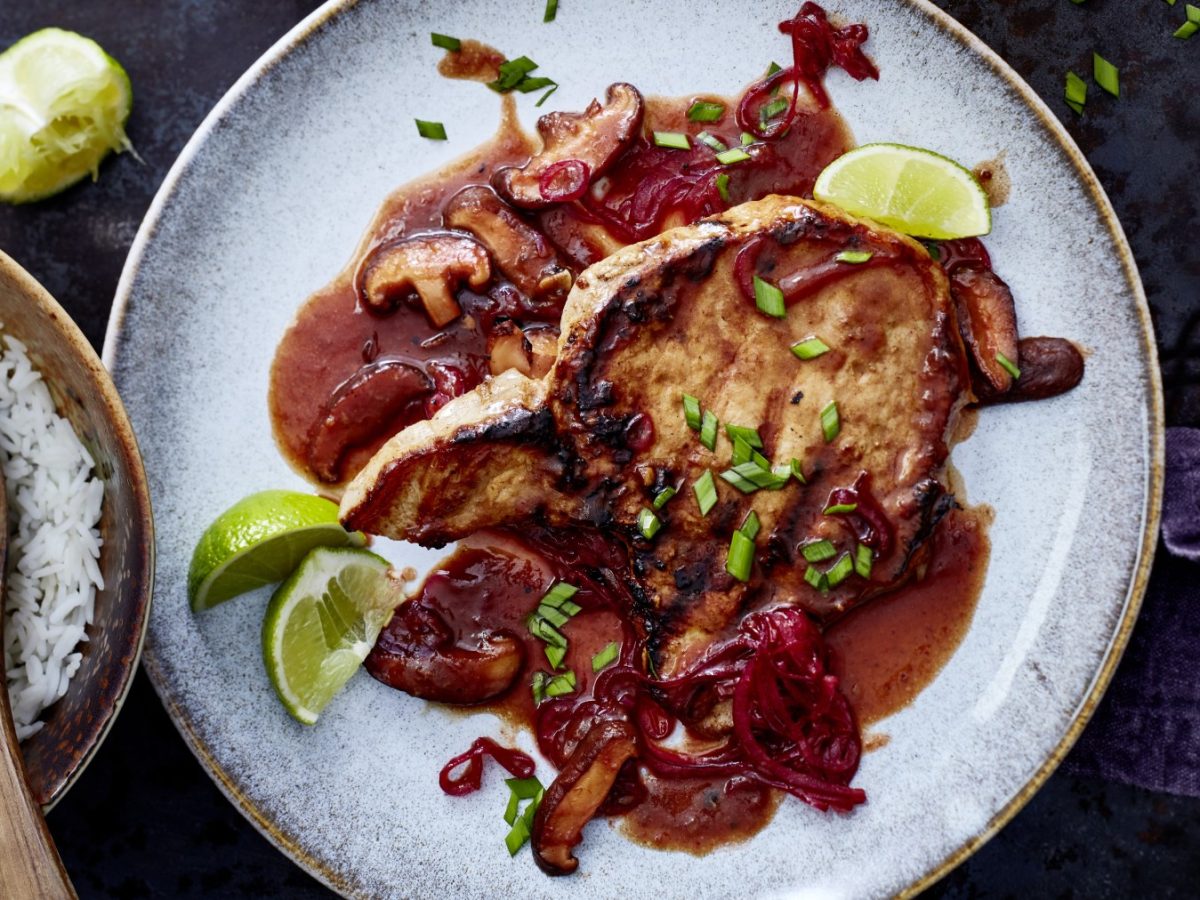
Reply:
x=594, y=440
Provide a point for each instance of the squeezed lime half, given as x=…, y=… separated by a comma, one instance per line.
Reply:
x=321, y=624
x=259, y=541
x=63, y=107
x=917, y=192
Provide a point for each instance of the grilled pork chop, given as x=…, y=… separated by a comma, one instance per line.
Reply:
x=597, y=439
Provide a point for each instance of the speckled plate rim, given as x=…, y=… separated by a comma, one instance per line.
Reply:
x=290, y=845
x=111, y=399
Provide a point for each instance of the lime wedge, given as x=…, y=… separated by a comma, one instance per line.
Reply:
x=321, y=624
x=914, y=191
x=260, y=540
x=63, y=106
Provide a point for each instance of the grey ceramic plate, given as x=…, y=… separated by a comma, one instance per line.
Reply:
x=267, y=203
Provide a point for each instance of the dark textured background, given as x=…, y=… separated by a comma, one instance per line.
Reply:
x=145, y=821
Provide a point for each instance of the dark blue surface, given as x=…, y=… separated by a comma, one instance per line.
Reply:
x=145, y=821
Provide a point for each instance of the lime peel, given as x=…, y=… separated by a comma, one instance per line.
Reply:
x=915, y=191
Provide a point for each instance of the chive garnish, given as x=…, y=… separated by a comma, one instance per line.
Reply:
x=818, y=551
x=831, y=422
x=810, y=348
x=691, y=411
x=741, y=556
x=708, y=430
x=524, y=788
x=1106, y=75
x=769, y=299
x=748, y=477
x=751, y=525
x=841, y=570
x=704, y=111
x=723, y=187
x=1187, y=29
x=559, y=593
x=1008, y=365
x=555, y=655
x=706, y=492
x=445, y=41
x=854, y=257
x=732, y=155
x=672, y=140
x=435, y=131
x=741, y=451
x=840, y=508
x=771, y=110
x=560, y=684
x=551, y=11
x=747, y=139
x=781, y=473
x=648, y=523
x=864, y=558
x=749, y=435
x=1076, y=92
x=797, y=470
x=661, y=498
x=555, y=617
x=514, y=75
x=816, y=578
x=711, y=142
x=773, y=68
x=538, y=686
x=606, y=657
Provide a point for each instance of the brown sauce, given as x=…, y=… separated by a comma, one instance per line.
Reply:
x=889, y=650
x=993, y=177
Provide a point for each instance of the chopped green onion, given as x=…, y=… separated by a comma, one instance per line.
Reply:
x=555, y=655
x=555, y=617
x=864, y=558
x=750, y=476
x=660, y=499
x=517, y=838
x=840, y=509
x=1106, y=75
x=524, y=788
x=512, y=73
x=712, y=142
x=1008, y=365
x=781, y=474
x=560, y=685
x=1193, y=14
x=797, y=468
x=704, y=111
x=749, y=435
x=1076, y=92
x=732, y=155
x=673, y=140
x=551, y=11
x=512, y=810
x=559, y=592
x=1186, y=30
x=529, y=85
x=816, y=578
x=743, y=452
x=606, y=657
x=648, y=523
x=773, y=109
x=772, y=69
x=854, y=257
x=543, y=630
x=747, y=139
x=723, y=187
x=706, y=492
x=751, y=525
x=818, y=551
x=691, y=412
x=435, y=131
x=538, y=685
x=841, y=570
x=769, y=299
x=810, y=348
x=445, y=41
x=708, y=430
x=546, y=95
x=831, y=422
x=741, y=556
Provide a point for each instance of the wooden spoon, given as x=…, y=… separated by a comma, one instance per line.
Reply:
x=29, y=863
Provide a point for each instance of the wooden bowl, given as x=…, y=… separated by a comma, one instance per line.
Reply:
x=83, y=392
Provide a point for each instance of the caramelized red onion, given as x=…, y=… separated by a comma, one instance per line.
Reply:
x=564, y=181
x=868, y=520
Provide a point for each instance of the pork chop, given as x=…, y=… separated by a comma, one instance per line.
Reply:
x=596, y=440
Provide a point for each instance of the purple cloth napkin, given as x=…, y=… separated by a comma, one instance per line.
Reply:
x=1147, y=729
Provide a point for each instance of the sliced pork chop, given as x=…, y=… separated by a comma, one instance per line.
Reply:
x=596, y=440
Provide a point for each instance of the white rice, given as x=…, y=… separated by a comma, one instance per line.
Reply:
x=53, y=571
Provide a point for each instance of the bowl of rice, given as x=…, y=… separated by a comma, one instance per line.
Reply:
x=80, y=565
